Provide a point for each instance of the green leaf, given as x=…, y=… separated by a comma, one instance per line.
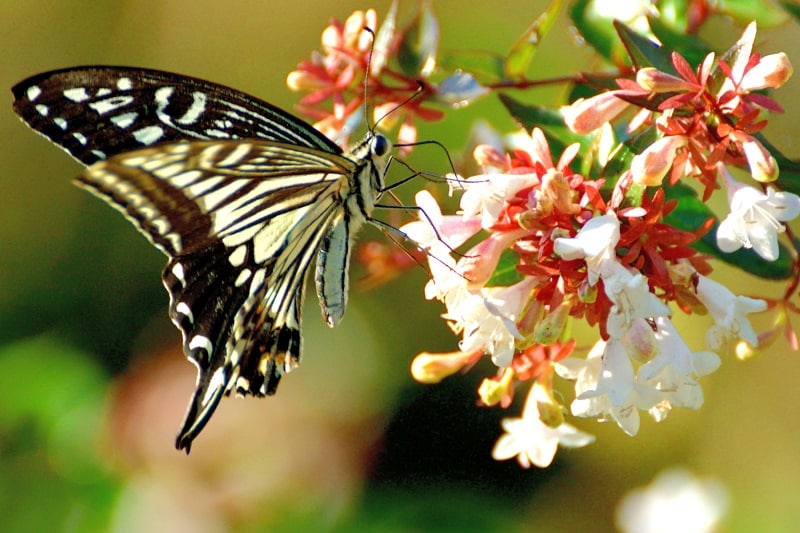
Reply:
x=745, y=11
x=506, y=274
x=642, y=51
x=693, y=49
x=57, y=392
x=57, y=376
x=524, y=49
x=691, y=213
x=548, y=119
x=674, y=14
x=420, y=40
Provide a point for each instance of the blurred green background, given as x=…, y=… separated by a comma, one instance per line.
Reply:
x=93, y=384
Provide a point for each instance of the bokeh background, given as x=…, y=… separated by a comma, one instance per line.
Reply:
x=93, y=384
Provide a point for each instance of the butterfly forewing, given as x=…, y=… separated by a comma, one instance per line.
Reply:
x=240, y=195
x=96, y=112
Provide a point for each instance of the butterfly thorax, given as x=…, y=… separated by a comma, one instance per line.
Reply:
x=372, y=156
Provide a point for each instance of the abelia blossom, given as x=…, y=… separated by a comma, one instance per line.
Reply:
x=537, y=245
x=531, y=440
x=730, y=315
x=755, y=218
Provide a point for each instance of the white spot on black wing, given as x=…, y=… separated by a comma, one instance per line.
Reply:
x=184, y=310
x=76, y=94
x=33, y=92
x=124, y=120
x=149, y=135
x=201, y=342
x=177, y=271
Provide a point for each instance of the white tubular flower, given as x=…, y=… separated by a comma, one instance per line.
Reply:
x=674, y=352
x=631, y=297
x=730, y=314
x=650, y=167
x=585, y=115
x=674, y=371
x=532, y=441
x=488, y=319
x=755, y=218
x=438, y=234
x=595, y=242
x=486, y=194
x=605, y=386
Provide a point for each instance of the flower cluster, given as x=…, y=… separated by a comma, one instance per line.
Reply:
x=353, y=58
x=596, y=234
x=579, y=253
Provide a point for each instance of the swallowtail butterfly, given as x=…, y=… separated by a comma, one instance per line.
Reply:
x=241, y=197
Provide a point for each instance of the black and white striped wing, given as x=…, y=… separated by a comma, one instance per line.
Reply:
x=97, y=112
x=241, y=222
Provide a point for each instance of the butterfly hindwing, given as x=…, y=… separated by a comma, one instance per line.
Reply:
x=240, y=237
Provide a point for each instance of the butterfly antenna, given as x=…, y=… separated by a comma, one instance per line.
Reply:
x=412, y=96
x=457, y=179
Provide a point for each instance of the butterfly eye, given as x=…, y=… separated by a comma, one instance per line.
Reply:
x=380, y=145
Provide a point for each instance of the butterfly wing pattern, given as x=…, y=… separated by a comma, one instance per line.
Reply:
x=239, y=195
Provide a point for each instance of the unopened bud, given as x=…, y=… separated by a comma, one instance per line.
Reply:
x=650, y=167
x=652, y=79
x=772, y=71
x=434, y=367
x=587, y=114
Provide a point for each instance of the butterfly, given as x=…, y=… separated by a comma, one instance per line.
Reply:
x=240, y=195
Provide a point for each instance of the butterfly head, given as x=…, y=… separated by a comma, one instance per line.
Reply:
x=380, y=145
x=380, y=149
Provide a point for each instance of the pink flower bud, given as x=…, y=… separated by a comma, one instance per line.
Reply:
x=654, y=80
x=434, y=367
x=299, y=80
x=587, y=114
x=650, y=167
x=763, y=166
x=488, y=157
x=771, y=71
